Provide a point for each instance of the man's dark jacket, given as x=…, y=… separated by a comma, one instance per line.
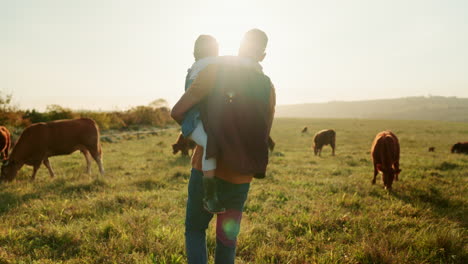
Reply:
x=236, y=116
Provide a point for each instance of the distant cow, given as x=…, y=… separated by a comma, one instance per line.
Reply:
x=304, y=130
x=323, y=138
x=460, y=147
x=183, y=145
x=40, y=141
x=5, y=142
x=431, y=149
x=385, y=153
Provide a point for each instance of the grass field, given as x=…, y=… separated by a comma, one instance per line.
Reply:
x=307, y=210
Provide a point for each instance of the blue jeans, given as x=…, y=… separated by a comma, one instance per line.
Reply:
x=232, y=197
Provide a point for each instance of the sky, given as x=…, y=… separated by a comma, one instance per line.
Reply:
x=112, y=55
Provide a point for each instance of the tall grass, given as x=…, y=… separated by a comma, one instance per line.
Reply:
x=308, y=209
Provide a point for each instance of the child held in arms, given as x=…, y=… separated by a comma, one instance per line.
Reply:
x=205, y=53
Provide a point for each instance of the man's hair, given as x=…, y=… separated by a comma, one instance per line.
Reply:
x=205, y=46
x=254, y=43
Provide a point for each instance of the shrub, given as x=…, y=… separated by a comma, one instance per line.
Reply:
x=147, y=116
x=34, y=116
x=104, y=120
x=156, y=114
x=57, y=112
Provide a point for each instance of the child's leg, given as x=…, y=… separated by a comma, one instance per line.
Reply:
x=210, y=201
x=199, y=136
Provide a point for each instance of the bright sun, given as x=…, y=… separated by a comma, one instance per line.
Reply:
x=229, y=38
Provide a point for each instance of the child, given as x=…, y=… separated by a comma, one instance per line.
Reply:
x=205, y=53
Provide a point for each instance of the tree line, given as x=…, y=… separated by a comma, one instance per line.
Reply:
x=157, y=113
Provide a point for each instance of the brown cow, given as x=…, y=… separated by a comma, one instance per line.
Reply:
x=40, y=141
x=431, y=149
x=304, y=130
x=385, y=153
x=323, y=138
x=460, y=147
x=183, y=145
x=271, y=144
x=5, y=142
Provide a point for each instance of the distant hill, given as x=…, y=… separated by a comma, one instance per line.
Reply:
x=408, y=108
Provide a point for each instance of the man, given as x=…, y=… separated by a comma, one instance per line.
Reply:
x=236, y=107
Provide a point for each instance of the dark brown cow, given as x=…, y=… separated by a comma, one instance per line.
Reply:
x=183, y=145
x=271, y=144
x=5, y=142
x=304, y=130
x=385, y=153
x=431, y=149
x=460, y=147
x=40, y=141
x=323, y=138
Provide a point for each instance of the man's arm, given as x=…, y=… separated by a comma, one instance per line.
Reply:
x=199, y=89
x=187, y=101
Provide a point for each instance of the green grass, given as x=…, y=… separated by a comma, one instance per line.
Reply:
x=308, y=209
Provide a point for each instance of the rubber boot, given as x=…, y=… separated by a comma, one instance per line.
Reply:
x=210, y=201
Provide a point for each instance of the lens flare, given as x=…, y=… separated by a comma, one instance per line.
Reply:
x=231, y=228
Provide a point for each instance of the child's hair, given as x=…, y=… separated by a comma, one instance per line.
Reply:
x=205, y=46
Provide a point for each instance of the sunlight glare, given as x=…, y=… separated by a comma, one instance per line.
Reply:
x=228, y=38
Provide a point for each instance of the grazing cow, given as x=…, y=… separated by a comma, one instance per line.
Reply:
x=385, y=153
x=271, y=144
x=5, y=142
x=40, y=141
x=183, y=145
x=431, y=149
x=323, y=138
x=304, y=130
x=460, y=147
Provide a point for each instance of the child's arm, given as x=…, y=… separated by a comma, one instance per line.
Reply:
x=188, y=82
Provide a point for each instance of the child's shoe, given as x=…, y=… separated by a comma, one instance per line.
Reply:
x=210, y=201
